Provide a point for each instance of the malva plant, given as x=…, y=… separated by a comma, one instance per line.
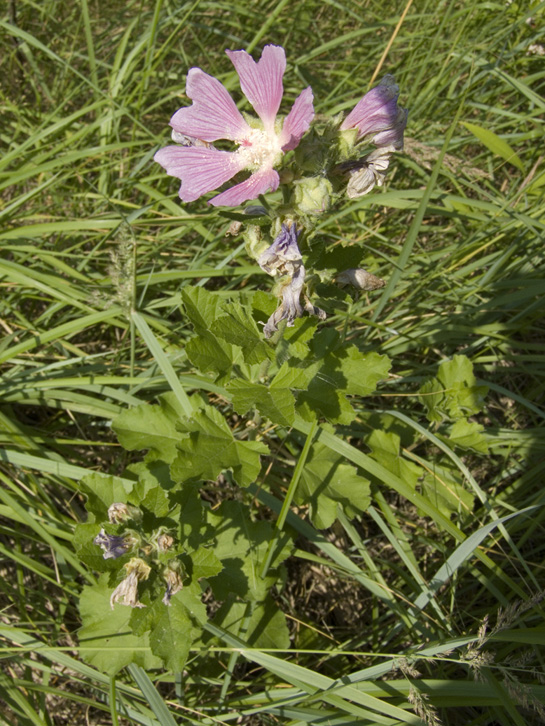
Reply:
x=315, y=177
x=154, y=537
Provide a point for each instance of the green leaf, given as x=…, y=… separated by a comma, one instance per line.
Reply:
x=385, y=448
x=207, y=353
x=106, y=640
x=241, y=546
x=341, y=370
x=264, y=628
x=156, y=501
x=274, y=403
x=292, y=376
x=444, y=488
x=205, y=563
x=495, y=143
x=151, y=427
x=238, y=327
x=327, y=482
x=174, y=628
x=152, y=476
x=468, y=435
x=102, y=491
x=202, y=307
x=454, y=393
x=211, y=448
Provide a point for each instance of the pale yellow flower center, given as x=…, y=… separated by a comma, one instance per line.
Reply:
x=260, y=149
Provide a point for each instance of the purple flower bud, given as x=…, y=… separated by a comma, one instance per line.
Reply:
x=377, y=115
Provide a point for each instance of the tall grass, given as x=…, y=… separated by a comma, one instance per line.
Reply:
x=404, y=615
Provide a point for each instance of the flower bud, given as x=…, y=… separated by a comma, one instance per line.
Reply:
x=313, y=195
x=253, y=240
x=165, y=542
x=360, y=279
x=161, y=540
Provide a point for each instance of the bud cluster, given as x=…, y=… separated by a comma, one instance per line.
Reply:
x=334, y=160
x=149, y=554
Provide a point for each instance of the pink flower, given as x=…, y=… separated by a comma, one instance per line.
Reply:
x=379, y=116
x=214, y=115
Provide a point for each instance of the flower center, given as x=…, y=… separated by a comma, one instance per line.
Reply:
x=260, y=149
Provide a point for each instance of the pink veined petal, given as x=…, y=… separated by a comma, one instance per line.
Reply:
x=262, y=181
x=297, y=121
x=376, y=111
x=201, y=170
x=261, y=82
x=394, y=136
x=213, y=114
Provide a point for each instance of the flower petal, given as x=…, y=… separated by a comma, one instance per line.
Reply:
x=394, y=136
x=201, y=170
x=298, y=120
x=261, y=82
x=262, y=181
x=376, y=111
x=213, y=114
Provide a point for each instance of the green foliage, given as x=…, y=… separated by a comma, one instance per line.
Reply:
x=328, y=483
x=453, y=394
x=116, y=298
x=211, y=448
x=106, y=639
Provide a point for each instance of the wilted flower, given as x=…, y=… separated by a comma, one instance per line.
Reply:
x=127, y=591
x=214, y=115
x=118, y=512
x=377, y=115
x=114, y=545
x=164, y=542
x=370, y=172
x=174, y=582
x=284, y=257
